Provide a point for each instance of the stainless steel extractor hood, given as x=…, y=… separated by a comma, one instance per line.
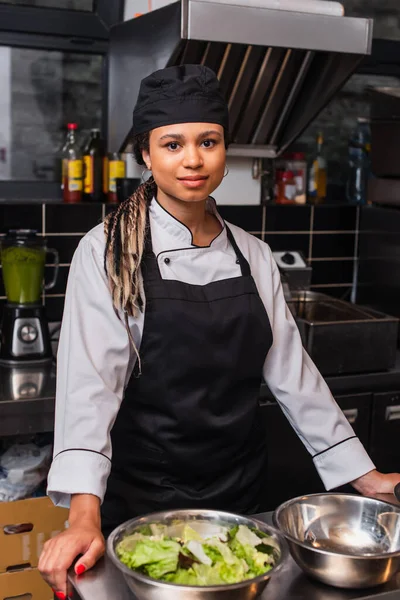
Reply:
x=277, y=68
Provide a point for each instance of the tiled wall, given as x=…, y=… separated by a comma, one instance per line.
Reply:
x=379, y=273
x=327, y=236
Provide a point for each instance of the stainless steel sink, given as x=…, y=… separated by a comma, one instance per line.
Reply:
x=342, y=337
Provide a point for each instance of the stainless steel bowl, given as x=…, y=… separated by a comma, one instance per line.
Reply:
x=205, y=522
x=343, y=540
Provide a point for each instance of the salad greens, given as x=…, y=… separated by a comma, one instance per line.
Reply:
x=231, y=556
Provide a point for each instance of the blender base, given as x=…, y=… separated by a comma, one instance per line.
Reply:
x=25, y=337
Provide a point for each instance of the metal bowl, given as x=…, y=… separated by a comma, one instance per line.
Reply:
x=343, y=540
x=205, y=522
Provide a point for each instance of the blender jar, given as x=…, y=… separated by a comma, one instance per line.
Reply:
x=23, y=257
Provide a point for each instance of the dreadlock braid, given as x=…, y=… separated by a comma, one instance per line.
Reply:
x=125, y=231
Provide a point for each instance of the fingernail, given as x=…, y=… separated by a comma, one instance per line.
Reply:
x=80, y=569
x=61, y=595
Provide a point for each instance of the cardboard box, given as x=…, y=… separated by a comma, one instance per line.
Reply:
x=25, y=525
x=24, y=585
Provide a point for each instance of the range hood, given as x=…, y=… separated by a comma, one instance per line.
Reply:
x=278, y=69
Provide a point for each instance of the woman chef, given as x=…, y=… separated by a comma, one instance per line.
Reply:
x=172, y=317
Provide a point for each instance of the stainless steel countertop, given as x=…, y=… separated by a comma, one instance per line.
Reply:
x=27, y=399
x=104, y=582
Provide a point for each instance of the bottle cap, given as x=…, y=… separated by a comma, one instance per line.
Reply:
x=287, y=175
x=72, y=126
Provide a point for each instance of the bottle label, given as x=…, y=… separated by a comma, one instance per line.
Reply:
x=117, y=170
x=88, y=186
x=75, y=170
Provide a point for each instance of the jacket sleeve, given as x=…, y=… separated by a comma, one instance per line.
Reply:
x=305, y=398
x=92, y=365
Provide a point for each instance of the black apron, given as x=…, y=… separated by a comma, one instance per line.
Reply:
x=189, y=432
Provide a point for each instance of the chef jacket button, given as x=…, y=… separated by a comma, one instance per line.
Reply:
x=167, y=260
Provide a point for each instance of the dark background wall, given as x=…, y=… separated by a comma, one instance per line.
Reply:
x=326, y=235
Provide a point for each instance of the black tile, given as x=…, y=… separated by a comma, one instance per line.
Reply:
x=341, y=292
x=287, y=218
x=333, y=244
x=72, y=218
x=65, y=245
x=110, y=208
x=335, y=218
x=332, y=271
x=61, y=282
x=54, y=308
x=247, y=217
x=21, y=216
x=287, y=241
x=374, y=218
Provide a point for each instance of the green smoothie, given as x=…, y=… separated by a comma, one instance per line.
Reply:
x=23, y=272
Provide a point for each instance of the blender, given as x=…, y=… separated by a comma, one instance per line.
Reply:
x=25, y=337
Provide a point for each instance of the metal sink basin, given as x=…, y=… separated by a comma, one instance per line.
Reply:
x=344, y=338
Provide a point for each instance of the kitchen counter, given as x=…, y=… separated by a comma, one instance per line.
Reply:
x=104, y=582
x=27, y=399
x=27, y=394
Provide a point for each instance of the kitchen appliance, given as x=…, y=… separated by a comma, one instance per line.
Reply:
x=206, y=522
x=277, y=68
x=294, y=269
x=343, y=540
x=25, y=334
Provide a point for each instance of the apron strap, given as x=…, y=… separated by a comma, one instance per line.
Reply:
x=244, y=265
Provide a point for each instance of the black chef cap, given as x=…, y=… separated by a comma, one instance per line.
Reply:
x=182, y=94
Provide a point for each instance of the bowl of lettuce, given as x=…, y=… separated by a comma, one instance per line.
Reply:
x=196, y=554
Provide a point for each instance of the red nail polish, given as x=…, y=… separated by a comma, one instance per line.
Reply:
x=61, y=596
x=80, y=569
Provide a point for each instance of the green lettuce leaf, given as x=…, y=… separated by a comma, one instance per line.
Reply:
x=154, y=557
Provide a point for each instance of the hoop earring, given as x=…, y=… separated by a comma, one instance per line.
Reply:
x=227, y=171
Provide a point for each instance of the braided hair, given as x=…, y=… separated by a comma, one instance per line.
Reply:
x=125, y=231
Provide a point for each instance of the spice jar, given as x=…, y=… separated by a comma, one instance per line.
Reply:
x=285, y=187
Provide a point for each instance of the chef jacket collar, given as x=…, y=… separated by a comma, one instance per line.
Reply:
x=180, y=231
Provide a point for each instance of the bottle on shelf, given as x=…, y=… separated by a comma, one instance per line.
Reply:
x=72, y=169
x=95, y=167
x=298, y=165
x=116, y=171
x=285, y=187
x=317, y=179
x=358, y=163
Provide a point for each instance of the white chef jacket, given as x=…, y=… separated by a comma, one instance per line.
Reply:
x=96, y=358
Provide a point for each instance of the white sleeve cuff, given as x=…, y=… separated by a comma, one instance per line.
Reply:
x=343, y=463
x=77, y=472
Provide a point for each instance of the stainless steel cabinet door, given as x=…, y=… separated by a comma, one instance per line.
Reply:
x=385, y=431
x=291, y=471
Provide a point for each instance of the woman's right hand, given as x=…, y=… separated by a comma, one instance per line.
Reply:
x=60, y=552
x=83, y=537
